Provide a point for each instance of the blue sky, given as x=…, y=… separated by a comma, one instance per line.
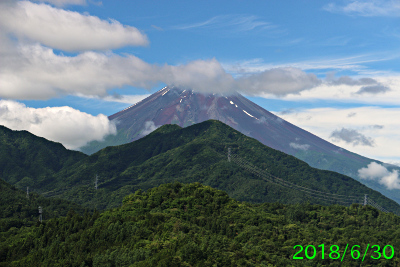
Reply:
x=330, y=67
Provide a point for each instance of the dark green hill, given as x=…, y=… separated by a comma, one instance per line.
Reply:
x=17, y=210
x=195, y=225
x=26, y=159
x=198, y=154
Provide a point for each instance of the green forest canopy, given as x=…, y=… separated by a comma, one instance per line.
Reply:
x=195, y=225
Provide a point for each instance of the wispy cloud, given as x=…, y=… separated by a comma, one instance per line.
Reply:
x=356, y=63
x=128, y=99
x=157, y=28
x=367, y=8
x=237, y=23
x=62, y=3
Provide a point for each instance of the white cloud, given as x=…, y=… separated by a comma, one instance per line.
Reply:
x=36, y=72
x=200, y=75
x=278, y=81
x=66, y=125
x=128, y=99
x=149, y=127
x=375, y=171
x=209, y=76
x=61, y=3
x=66, y=30
x=324, y=121
x=262, y=120
x=367, y=8
x=300, y=146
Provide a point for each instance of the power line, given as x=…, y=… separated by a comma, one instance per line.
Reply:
x=337, y=198
x=271, y=178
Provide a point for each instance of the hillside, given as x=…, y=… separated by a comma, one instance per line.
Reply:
x=16, y=210
x=198, y=153
x=26, y=159
x=196, y=225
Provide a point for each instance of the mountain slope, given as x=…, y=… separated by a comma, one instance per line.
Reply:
x=185, y=107
x=195, y=225
x=198, y=153
x=26, y=159
x=17, y=210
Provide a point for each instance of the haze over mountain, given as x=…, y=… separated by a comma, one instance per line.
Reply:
x=187, y=107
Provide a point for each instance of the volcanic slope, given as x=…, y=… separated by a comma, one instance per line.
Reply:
x=198, y=153
x=186, y=107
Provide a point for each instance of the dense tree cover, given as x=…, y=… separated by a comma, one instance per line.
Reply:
x=171, y=153
x=195, y=225
x=16, y=210
x=198, y=153
x=26, y=159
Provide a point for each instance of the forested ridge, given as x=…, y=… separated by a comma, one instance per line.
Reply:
x=195, y=225
x=197, y=153
x=17, y=210
x=27, y=160
x=173, y=199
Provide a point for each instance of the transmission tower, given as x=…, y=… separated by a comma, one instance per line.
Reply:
x=40, y=213
x=229, y=154
x=27, y=192
x=95, y=182
x=365, y=200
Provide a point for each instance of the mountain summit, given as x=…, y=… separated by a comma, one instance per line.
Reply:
x=187, y=107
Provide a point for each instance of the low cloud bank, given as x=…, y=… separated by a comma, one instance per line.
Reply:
x=378, y=172
x=36, y=72
x=66, y=125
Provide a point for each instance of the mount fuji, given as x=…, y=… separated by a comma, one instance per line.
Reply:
x=172, y=105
